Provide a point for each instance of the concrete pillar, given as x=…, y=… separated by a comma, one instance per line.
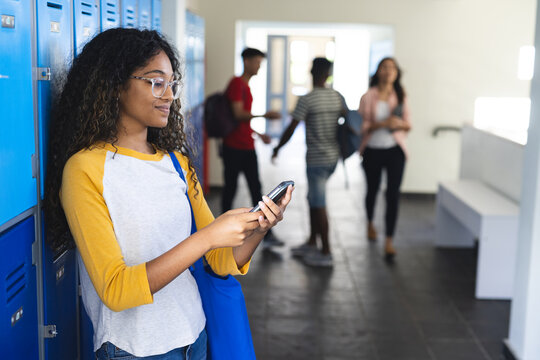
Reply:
x=524, y=336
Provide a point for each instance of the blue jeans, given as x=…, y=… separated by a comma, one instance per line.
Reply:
x=195, y=351
x=317, y=177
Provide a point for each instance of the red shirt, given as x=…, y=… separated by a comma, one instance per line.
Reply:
x=241, y=138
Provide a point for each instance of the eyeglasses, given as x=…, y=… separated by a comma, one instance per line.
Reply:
x=159, y=86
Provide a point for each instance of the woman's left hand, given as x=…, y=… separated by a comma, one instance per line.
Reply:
x=271, y=212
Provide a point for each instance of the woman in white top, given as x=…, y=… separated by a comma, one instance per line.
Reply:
x=111, y=178
x=386, y=122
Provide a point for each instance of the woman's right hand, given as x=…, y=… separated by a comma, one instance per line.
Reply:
x=232, y=228
x=394, y=122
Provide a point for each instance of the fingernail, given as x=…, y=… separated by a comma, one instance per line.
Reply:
x=265, y=198
x=261, y=204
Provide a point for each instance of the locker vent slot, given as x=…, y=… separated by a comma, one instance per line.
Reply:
x=111, y=4
x=86, y=4
x=54, y=5
x=113, y=20
x=15, y=282
x=86, y=13
x=111, y=12
x=131, y=11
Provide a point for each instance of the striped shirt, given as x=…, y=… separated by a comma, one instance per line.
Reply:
x=320, y=109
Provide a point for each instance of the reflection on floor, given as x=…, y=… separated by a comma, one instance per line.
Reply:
x=422, y=307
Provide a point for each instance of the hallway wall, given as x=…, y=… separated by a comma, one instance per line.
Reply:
x=451, y=51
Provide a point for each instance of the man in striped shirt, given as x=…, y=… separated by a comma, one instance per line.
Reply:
x=320, y=109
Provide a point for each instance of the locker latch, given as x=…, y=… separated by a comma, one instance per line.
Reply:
x=43, y=73
x=35, y=253
x=49, y=331
x=35, y=166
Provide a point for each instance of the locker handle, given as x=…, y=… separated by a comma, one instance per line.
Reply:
x=54, y=6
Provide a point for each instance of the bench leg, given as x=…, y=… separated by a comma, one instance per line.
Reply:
x=449, y=232
x=497, y=259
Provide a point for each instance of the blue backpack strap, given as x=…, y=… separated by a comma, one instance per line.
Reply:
x=181, y=173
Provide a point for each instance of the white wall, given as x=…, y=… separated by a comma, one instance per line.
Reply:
x=451, y=51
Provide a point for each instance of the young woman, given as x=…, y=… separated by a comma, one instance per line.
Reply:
x=386, y=122
x=112, y=184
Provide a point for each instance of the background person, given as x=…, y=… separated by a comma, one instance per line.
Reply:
x=238, y=150
x=386, y=122
x=320, y=109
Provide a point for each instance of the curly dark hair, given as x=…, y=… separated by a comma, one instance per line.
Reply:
x=87, y=111
x=400, y=92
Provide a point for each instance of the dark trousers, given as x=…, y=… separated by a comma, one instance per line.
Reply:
x=234, y=162
x=393, y=161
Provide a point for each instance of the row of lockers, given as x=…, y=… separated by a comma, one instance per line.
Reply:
x=40, y=313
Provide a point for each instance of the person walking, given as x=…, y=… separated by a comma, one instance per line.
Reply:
x=320, y=110
x=385, y=111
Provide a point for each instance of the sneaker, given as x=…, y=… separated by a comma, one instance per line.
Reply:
x=270, y=240
x=319, y=259
x=303, y=250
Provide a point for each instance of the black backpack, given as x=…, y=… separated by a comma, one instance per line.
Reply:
x=219, y=119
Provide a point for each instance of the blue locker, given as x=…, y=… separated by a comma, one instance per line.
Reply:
x=128, y=18
x=156, y=15
x=85, y=22
x=194, y=83
x=18, y=295
x=110, y=14
x=54, y=52
x=17, y=143
x=60, y=302
x=145, y=14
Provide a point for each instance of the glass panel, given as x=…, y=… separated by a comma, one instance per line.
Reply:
x=278, y=68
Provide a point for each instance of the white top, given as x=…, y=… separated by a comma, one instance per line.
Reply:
x=382, y=138
x=150, y=213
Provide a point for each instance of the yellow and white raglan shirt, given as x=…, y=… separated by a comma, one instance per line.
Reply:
x=125, y=208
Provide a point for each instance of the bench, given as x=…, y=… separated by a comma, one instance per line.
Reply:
x=483, y=205
x=469, y=210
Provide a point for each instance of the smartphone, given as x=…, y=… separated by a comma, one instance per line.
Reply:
x=276, y=194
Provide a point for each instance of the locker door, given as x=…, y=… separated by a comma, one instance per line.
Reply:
x=18, y=305
x=17, y=143
x=110, y=14
x=145, y=12
x=156, y=15
x=60, y=302
x=128, y=13
x=85, y=22
x=194, y=80
x=54, y=52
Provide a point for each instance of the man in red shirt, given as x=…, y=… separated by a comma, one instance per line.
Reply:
x=239, y=147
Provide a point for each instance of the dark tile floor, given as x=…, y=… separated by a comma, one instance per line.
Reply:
x=421, y=307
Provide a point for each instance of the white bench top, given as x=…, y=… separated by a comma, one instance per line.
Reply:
x=480, y=197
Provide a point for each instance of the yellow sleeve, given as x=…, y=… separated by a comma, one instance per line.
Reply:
x=119, y=286
x=221, y=260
